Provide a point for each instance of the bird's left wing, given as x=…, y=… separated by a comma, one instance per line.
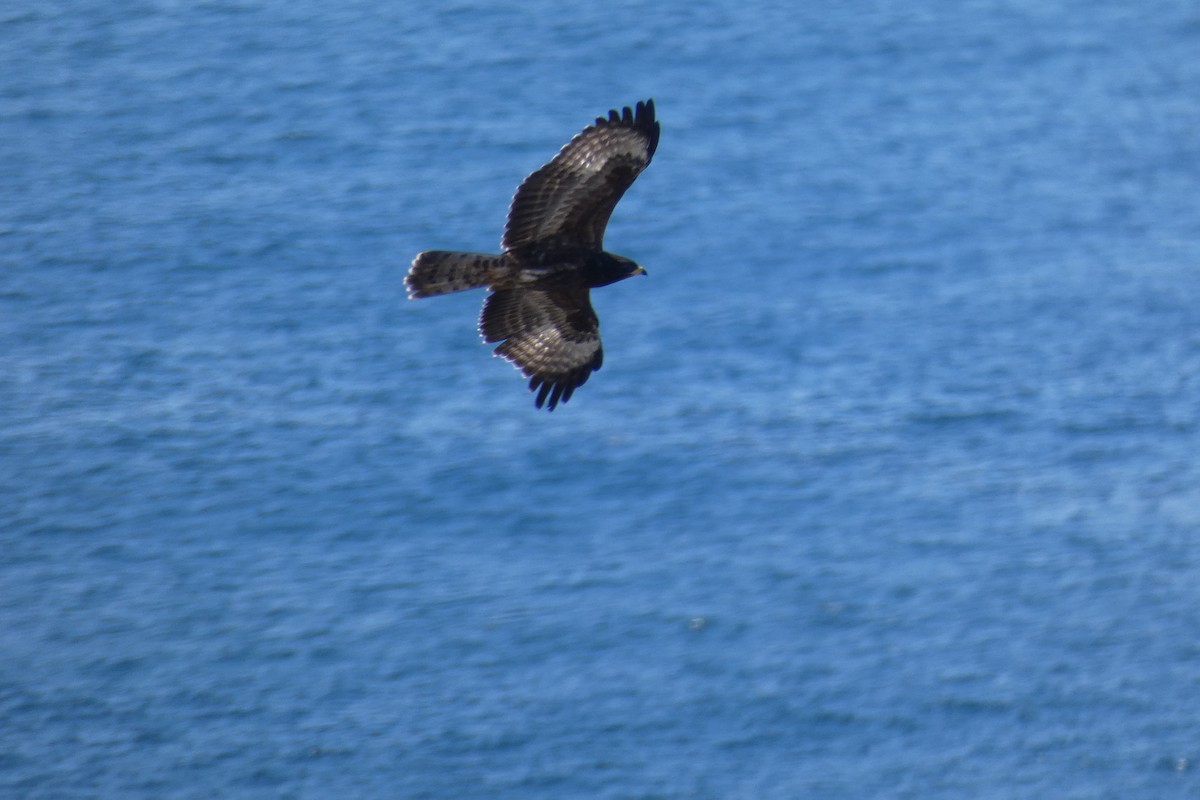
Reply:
x=569, y=200
x=551, y=334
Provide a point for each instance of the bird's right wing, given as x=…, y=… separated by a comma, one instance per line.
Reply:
x=570, y=199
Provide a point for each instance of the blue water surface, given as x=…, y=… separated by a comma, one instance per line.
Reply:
x=888, y=487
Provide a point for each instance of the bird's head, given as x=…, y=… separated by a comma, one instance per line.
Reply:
x=630, y=266
x=606, y=268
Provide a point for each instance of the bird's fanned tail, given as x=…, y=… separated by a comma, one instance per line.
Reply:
x=437, y=272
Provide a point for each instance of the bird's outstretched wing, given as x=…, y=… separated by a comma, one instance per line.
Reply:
x=551, y=334
x=569, y=200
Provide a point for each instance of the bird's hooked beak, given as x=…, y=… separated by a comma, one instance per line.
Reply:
x=638, y=269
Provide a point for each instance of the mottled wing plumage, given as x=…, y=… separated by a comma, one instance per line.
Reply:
x=551, y=333
x=569, y=200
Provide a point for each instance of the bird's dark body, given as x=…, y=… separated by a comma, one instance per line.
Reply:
x=593, y=268
x=540, y=308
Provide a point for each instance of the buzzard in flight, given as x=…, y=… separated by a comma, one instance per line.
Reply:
x=539, y=309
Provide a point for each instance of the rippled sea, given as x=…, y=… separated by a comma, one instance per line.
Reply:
x=888, y=488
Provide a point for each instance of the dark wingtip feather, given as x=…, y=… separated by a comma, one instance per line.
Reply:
x=534, y=383
x=640, y=116
x=645, y=114
x=551, y=392
x=543, y=388
x=647, y=123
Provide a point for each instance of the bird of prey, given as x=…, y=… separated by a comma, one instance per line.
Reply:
x=539, y=309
